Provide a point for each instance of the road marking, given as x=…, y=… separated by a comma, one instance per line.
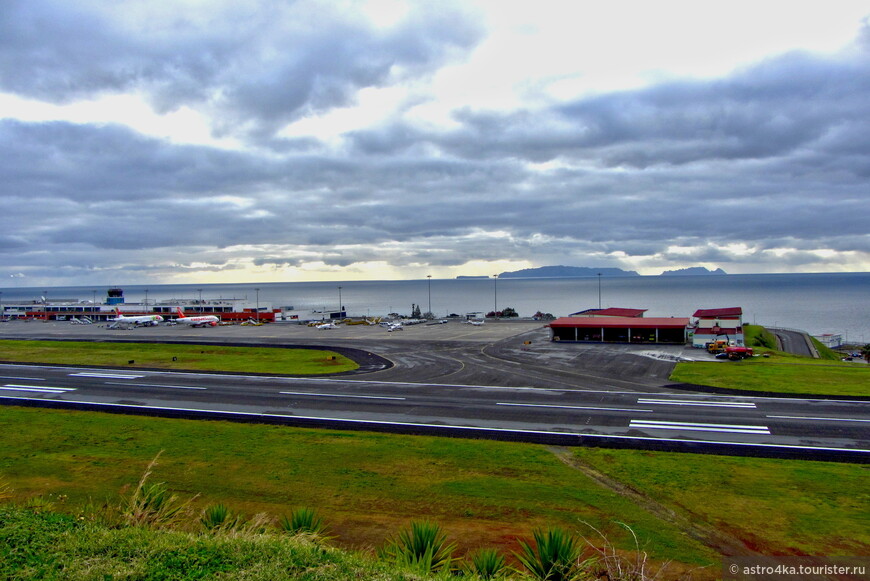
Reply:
x=106, y=375
x=339, y=395
x=712, y=404
x=736, y=429
x=573, y=407
x=21, y=378
x=41, y=388
x=819, y=419
x=152, y=385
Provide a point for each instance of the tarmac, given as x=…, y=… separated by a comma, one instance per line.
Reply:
x=511, y=353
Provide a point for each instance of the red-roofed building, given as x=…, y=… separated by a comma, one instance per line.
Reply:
x=670, y=330
x=611, y=312
x=713, y=324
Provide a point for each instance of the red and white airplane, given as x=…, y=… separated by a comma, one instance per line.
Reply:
x=197, y=321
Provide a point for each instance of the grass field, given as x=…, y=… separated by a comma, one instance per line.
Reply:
x=483, y=493
x=180, y=357
x=782, y=374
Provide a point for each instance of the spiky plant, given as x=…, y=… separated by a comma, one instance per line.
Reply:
x=487, y=564
x=555, y=556
x=5, y=490
x=218, y=517
x=152, y=505
x=304, y=521
x=422, y=547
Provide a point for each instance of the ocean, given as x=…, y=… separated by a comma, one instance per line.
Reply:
x=836, y=303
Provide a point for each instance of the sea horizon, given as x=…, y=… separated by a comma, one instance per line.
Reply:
x=818, y=303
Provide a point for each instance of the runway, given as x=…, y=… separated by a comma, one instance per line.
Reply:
x=602, y=415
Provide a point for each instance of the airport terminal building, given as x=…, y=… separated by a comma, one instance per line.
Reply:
x=598, y=329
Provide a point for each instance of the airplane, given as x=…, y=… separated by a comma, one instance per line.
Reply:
x=197, y=321
x=326, y=326
x=120, y=321
x=476, y=323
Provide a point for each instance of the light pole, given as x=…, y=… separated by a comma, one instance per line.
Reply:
x=429, y=277
x=258, y=304
x=495, y=295
x=200, y=301
x=339, y=301
x=146, y=299
x=599, y=291
x=1, y=306
x=45, y=306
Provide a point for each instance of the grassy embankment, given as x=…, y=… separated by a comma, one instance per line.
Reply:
x=368, y=486
x=780, y=372
x=178, y=357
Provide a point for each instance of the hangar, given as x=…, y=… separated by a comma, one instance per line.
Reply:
x=649, y=330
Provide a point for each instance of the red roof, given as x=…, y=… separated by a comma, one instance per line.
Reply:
x=621, y=322
x=611, y=312
x=729, y=312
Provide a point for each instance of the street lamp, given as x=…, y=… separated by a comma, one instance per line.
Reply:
x=45, y=306
x=429, y=276
x=258, y=304
x=146, y=299
x=200, y=300
x=599, y=291
x=495, y=295
x=339, y=301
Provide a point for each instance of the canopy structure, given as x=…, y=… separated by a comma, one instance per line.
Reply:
x=657, y=330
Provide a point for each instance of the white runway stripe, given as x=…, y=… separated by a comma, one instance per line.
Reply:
x=694, y=427
x=40, y=388
x=106, y=375
x=573, y=407
x=712, y=404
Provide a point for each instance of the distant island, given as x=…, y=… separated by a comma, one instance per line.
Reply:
x=693, y=270
x=566, y=272
x=585, y=271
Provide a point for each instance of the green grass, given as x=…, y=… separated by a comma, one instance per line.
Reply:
x=774, y=506
x=181, y=357
x=781, y=374
x=50, y=546
x=367, y=486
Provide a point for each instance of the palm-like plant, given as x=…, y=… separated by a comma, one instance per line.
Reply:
x=865, y=352
x=555, y=556
x=487, y=564
x=218, y=517
x=304, y=521
x=422, y=547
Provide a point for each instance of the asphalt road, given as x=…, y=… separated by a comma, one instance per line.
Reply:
x=512, y=384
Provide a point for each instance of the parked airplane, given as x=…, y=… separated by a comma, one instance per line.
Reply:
x=135, y=321
x=476, y=323
x=326, y=326
x=197, y=321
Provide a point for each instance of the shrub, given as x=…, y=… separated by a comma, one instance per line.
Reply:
x=554, y=557
x=304, y=521
x=152, y=505
x=422, y=547
x=487, y=564
x=218, y=517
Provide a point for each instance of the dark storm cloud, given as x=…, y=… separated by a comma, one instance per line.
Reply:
x=259, y=67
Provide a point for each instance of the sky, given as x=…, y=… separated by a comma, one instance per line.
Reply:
x=211, y=141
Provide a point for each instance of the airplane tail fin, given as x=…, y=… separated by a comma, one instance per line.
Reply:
x=180, y=312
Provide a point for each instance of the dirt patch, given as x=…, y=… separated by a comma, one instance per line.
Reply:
x=720, y=541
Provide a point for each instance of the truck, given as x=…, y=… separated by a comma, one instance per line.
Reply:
x=735, y=353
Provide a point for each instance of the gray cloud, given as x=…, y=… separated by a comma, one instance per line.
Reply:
x=773, y=156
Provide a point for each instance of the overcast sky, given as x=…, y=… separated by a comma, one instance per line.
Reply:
x=205, y=141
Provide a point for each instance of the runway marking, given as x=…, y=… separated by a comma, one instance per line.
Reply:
x=694, y=427
x=471, y=428
x=712, y=404
x=573, y=407
x=153, y=385
x=818, y=419
x=21, y=378
x=40, y=389
x=339, y=395
x=106, y=375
